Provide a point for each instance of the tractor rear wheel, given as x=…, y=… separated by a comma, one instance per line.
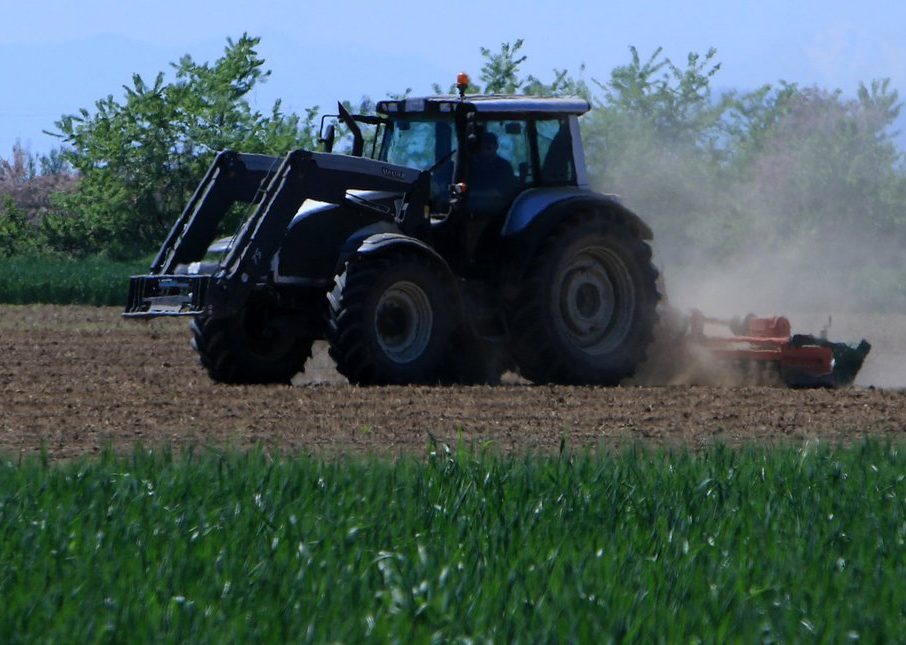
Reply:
x=390, y=319
x=587, y=309
x=249, y=347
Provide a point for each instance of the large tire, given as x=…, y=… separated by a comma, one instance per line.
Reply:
x=390, y=319
x=587, y=310
x=248, y=347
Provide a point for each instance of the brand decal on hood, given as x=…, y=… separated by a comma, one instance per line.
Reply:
x=392, y=172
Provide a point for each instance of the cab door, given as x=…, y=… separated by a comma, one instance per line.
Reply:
x=500, y=166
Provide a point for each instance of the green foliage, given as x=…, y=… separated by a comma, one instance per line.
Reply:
x=750, y=173
x=17, y=235
x=29, y=185
x=652, y=138
x=54, y=163
x=37, y=278
x=743, y=174
x=23, y=166
x=674, y=103
x=501, y=74
x=717, y=177
x=141, y=158
x=779, y=544
x=829, y=162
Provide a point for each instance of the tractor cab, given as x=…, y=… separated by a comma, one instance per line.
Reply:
x=484, y=150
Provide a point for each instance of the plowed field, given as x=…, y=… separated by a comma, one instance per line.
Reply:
x=77, y=379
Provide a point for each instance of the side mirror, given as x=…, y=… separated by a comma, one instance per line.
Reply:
x=328, y=137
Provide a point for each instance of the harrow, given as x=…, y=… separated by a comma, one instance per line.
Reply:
x=768, y=344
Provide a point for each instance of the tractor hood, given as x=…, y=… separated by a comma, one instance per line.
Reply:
x=309, y=207
x=312, y=206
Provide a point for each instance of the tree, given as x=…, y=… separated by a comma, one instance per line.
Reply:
x=500, y=74
x=29, y=185
x=140, y=158
x=17, y=236
x=716, y=176
x=654, y=137
x=675, y=102
x=19, y=168
x=782, y=177
x=827, y=163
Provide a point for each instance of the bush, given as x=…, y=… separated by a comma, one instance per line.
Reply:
x=141, y=159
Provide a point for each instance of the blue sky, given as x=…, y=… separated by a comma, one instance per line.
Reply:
x=60, y=55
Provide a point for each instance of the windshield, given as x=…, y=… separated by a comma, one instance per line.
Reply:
x=416, y=143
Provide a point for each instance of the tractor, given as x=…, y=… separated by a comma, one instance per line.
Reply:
x=458, y=239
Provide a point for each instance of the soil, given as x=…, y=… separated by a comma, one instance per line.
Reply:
x=78, y=379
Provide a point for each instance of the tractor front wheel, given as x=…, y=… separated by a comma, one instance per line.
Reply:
x=391, y=317
x=250, y=346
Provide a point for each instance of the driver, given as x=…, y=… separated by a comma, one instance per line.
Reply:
x=489, y=170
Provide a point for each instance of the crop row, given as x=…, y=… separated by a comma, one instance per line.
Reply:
x=786, y=543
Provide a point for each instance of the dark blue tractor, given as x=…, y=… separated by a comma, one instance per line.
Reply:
x=458, y=239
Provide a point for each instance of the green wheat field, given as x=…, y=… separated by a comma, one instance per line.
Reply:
x=756, y=544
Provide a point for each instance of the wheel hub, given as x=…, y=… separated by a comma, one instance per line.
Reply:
x=595, y=300
x=403, y=322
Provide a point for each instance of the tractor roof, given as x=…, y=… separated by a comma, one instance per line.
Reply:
x=487, y=103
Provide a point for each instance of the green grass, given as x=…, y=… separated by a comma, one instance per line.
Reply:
x=755, y=544
x=92, y=281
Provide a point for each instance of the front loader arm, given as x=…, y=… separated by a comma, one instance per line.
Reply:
x=317, y=176
x=233, y=177
x=279, y=192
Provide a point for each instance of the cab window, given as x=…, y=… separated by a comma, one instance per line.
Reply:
x=422, y=144
x=555, y=152
x=499, y=166
x=513, y=146
x=416, y=144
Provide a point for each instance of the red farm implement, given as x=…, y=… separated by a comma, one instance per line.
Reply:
x=768, y=345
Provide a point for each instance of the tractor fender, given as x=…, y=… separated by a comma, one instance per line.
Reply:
x=385, y=242
x=354, y=242
x=544, y=207
x=536, y=212
x=322, y=235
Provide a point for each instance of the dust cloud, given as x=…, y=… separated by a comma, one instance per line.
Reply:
x=779, y=239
